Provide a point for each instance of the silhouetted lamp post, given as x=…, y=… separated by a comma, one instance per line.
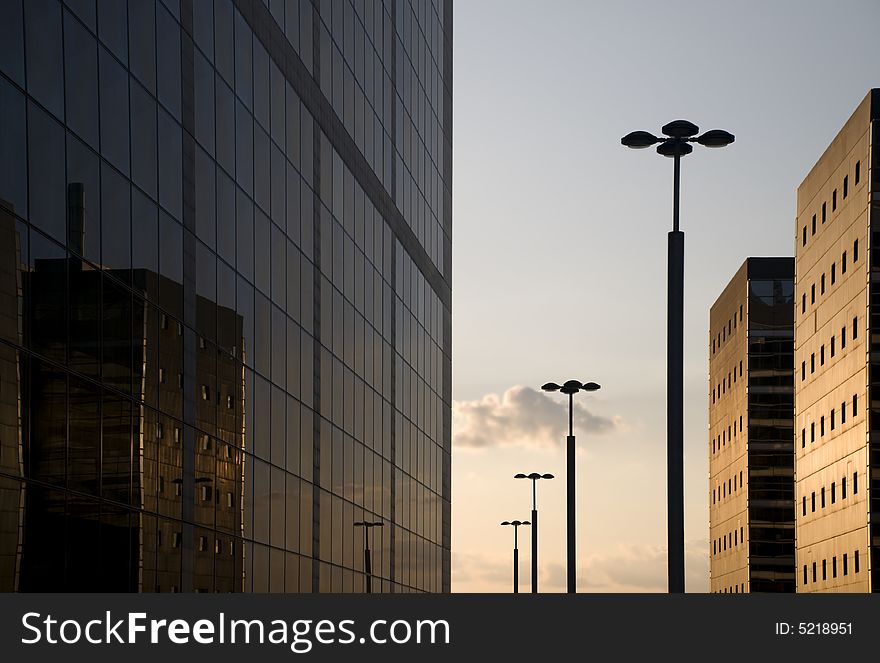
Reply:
x=534, y=476
x=516, y=524
x=571, y=387
x=368, y=566
x=676, y=143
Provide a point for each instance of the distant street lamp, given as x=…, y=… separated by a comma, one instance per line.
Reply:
x=516, y=524
x=534, y=476
x=368, y=567
x=676, y=143
x=571, y=387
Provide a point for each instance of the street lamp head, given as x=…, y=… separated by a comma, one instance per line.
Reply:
x=547, y=476
x=715, y=138
x=590, y=386
x=506, y=522
x=551, y=386
x=672, y=148
x=516, y=523
x=639, y=140
x=680, y=129
x=525, y=522
x=520, y=475
x=534, y=476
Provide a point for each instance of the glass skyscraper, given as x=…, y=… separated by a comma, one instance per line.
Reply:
x=225, y=294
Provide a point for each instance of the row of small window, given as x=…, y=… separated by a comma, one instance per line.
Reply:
x=729, y=434
x=726, y=383
x=855, y=491
x=727, y=489
x=203, y=546
x=731, y=540
x=733, y=589
x=858, y=175
x=855, y=258
x=845, y=565
x=726, y=330
x=833, y=420
x=206, y=493
x=833, y=349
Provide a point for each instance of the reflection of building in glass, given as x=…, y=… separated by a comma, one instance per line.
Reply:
x=751, y=469
x=226, y=324
x=837, y=365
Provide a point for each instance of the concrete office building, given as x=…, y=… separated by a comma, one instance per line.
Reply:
x=837, y=339
x=225, y=294
x=751, y=483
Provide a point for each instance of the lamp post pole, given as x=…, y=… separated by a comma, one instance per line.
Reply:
x=516, y=525
x=571, y=387
x=534, y=476
x=676, y=143
x=368, y=563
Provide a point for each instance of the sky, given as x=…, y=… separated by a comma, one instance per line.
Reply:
x=559, y=251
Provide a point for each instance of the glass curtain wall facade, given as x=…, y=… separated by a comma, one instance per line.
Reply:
x=837, y=365
x=225, y=300
x=751, y=405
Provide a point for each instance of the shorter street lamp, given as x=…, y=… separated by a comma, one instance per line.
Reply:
x=534, y=476
x=516, y=524
x=368, y=568
x=571, y=387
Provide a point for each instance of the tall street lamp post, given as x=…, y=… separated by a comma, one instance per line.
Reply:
x=571, y=387
x=368, y=566
x=516, y=525
x=534, y=476
x=676, y=143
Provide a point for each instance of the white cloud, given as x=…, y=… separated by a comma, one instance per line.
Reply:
x=521, y=415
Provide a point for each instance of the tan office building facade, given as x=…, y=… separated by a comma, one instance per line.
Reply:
x=751, y=520
x=837, y=365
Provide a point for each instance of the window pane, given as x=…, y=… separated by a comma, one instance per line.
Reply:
x=142, y=42
x=115, y=221
x=46, y=173
x=81, y=84
x=44, y=57
x=225, y=217
x=144, y=232
x=225, y=121
x=244, y=148
x=83, y=168
x=143, y=139
x=112, y=22
x=12, y=40
x=13, y=150
x=244, y=232
x=170, y=165
x=204, y=102
x=168, y=32
x=203, y=27
x=244, y=86
x=114, y=111
x=224, y=46
x=205, y=197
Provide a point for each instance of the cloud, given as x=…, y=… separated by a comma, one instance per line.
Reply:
x=522, y=416
x=623, y=569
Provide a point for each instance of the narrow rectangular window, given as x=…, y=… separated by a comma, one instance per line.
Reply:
x=803, y=438
x=832, y=419
x=845, y=569
x=813, y=294
x=856, y=561
x=813, y=431
x=842, y=337
x=833, y=493
x=804, y=303
x=855, y=405
x=855, y=250
x=843, y=412
x=834, y=566
x=843, y=488
x=834, y=200
x=858, y=171
x=805, y=574
x=813, y=502
x=823, y=497
x=823, y=212
x=814, y=571
x=822, y=355
x=812, y=362
x=855, y=483
x=823, y=285
x=845, y=186
x=843, y=263
x=833, y=272
x=832, y=346
x=822, y=431
x=814, y=224
x=824, y=570
x=855, y=333
x=805, y=505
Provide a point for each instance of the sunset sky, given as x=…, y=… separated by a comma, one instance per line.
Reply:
x=560, y=250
